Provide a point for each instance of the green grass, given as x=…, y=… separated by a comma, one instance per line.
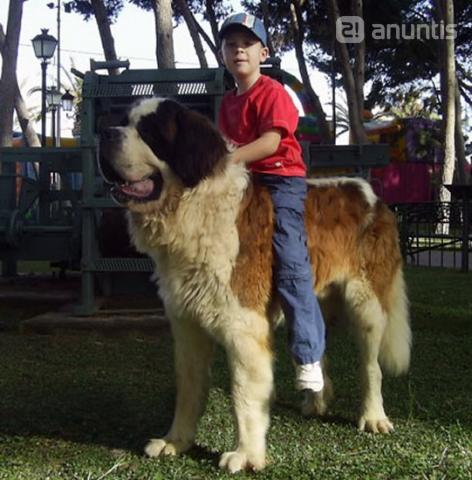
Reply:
x=82, y=406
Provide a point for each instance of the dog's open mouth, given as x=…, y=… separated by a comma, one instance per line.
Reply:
x=122, y=190
x=144, y=190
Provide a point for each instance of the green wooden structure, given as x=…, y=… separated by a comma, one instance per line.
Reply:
x=39, y=214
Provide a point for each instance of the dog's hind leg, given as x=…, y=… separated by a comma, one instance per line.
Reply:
x=250, y=360
x=332, y=307
x=317, y=403
x=369, y=323
x=193, y=354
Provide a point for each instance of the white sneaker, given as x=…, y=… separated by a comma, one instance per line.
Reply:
x=309, y=377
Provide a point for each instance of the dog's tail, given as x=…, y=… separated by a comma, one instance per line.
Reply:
x=395, y=349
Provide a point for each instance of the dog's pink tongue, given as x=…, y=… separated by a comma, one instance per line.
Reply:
x=143, y=188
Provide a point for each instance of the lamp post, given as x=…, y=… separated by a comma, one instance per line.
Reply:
x=53, y=99
x=44, y=46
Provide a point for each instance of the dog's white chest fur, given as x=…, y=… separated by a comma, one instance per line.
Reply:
x=195, y=248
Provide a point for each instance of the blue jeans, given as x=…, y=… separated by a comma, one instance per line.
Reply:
x=293, y=273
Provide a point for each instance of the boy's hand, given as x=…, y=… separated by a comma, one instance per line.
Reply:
x=231, y=147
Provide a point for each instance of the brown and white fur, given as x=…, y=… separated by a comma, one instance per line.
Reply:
x=208, y=228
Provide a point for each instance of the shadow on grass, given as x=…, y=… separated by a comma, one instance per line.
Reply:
x=88, y=389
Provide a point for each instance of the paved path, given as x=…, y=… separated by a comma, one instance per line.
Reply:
x=437, y=258
x=55, y=299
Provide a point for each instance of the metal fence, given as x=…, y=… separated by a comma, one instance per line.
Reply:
x=436, y=234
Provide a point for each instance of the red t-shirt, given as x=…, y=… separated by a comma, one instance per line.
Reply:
x=244, y=118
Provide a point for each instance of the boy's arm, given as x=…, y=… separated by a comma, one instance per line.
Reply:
x=263, y=147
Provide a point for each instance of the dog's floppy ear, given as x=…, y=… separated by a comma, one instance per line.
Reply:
x=185, y=139
x=199, y=147
x=158, y=129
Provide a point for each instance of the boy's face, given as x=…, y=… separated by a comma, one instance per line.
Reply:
x=242, y=53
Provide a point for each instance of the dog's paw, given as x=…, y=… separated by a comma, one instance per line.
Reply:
x=236, y=461
x=160, y=447
x=375, y=425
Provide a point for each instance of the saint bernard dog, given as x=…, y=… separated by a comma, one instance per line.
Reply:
x=208, y=229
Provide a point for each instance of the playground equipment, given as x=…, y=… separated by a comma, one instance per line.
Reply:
x=413, y=174
x=60, y=212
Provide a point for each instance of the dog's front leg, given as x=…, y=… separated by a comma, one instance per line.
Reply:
x=193, y=354
x=250, y=360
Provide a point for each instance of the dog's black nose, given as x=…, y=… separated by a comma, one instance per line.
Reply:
x=110, y=134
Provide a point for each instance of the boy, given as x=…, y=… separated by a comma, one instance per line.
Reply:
x=260, y=118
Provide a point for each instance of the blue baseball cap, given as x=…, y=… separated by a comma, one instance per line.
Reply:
x=252, y=23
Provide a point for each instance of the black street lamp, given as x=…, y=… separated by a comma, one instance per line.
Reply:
x=53, y=99
x=67, y=101
x=44, y=46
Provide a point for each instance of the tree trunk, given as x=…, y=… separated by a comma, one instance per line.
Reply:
x=193, y=30
x=8, y=82
x=359, y=60
x=459, y=139
x=210, y=11
x=213, y=44
x=445, y=14
x=357, y=130
x=164, y=40
x=464, y=89
x=266, y=20
x=104, y=30
x=208, y=41
x=449, y=102
x=31, y=138
x=297, y=24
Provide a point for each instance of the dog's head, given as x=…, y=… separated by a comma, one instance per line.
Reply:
x=160, y=141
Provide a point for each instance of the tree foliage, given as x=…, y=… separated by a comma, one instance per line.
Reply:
x=392, y=65
x=85, y=8
x=416, y=62
x=395, y=69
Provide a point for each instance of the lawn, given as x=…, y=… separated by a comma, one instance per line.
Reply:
x=81, y=406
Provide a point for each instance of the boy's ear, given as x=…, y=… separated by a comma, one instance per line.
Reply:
x=264, y=54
